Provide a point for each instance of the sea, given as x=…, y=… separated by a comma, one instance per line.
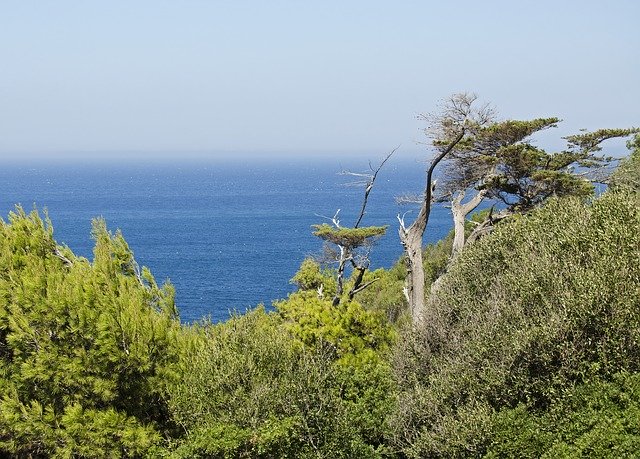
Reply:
x=229, y=234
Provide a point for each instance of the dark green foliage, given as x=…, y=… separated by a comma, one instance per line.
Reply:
x=546, y=302
x=385, y=296
x=529, y=175
x=84, y=347
x=596, y=419
x=590, y=142
x=522, y=175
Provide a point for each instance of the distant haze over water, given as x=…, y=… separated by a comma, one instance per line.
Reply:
x=229, y=235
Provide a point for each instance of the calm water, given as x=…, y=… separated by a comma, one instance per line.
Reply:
x=227, y=235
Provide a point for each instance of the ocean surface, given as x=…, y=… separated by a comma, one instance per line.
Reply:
x=229, y=235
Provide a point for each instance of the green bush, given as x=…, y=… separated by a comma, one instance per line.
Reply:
x=547, y=301
x=595, y=419
x=251, y=389
x=84, y=347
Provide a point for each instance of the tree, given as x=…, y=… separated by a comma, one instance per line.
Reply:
x=456, y=123
x=353, y=243
x=529, y=175
x=473, y=165
x=85, y=348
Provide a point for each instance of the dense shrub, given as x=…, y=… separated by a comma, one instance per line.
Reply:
x=595, y=419
x=548, y=301
x=251, y=388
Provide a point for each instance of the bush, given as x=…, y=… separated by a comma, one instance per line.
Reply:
x=250, y=389
x=596, y=419
x=546, y=302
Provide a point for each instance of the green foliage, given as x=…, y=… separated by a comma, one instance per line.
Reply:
x=547, y=301
x=385, y=296
x=348, y=237
x=348, y=328
x=358, y=339
x=237, y=397
x=529, y=175
x=590, y=142
x=627, y=176
x=312, y=277
x=596, y=419
x=252, y=390
x=436, y=258
x=84, y=348
x=499, y=159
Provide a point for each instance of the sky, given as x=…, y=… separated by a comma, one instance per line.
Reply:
x=159, y=79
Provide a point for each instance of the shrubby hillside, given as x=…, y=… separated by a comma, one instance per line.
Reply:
x=548, y=302
x=528, y=348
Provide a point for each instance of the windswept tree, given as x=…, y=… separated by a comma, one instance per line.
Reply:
x=474, y=164
x=457, y=123
x=529, y=175
x=350, y=246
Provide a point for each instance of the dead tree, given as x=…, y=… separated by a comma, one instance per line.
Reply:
x=353, y=243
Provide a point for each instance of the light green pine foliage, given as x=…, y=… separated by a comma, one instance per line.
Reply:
x=312, y=277
x=348, y=328
x=83, y=348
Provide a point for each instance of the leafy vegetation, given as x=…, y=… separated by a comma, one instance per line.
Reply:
x=85, y=347
x=547, y=302
x=528, y=348
x=348, y=237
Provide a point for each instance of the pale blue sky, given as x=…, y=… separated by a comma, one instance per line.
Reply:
x=178, y=78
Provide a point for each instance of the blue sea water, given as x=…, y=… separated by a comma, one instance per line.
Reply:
x=229, y=235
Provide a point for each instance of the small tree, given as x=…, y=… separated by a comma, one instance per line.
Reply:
x=353, y=243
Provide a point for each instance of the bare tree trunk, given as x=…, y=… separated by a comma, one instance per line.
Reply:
x=344, y=257
x=460, y=212
x=414, y=285
x=451, y=127
x=411, y=239
x=487, y=225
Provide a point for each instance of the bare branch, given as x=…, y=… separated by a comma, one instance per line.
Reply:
x=68, y=263
x=369, y=185
x=365, y=285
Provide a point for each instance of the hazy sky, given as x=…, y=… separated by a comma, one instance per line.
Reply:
x=182, y=77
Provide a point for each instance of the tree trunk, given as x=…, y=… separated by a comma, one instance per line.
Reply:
x=411, y=239
x=344, y=257
x=460, y=212
x=414, y=286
